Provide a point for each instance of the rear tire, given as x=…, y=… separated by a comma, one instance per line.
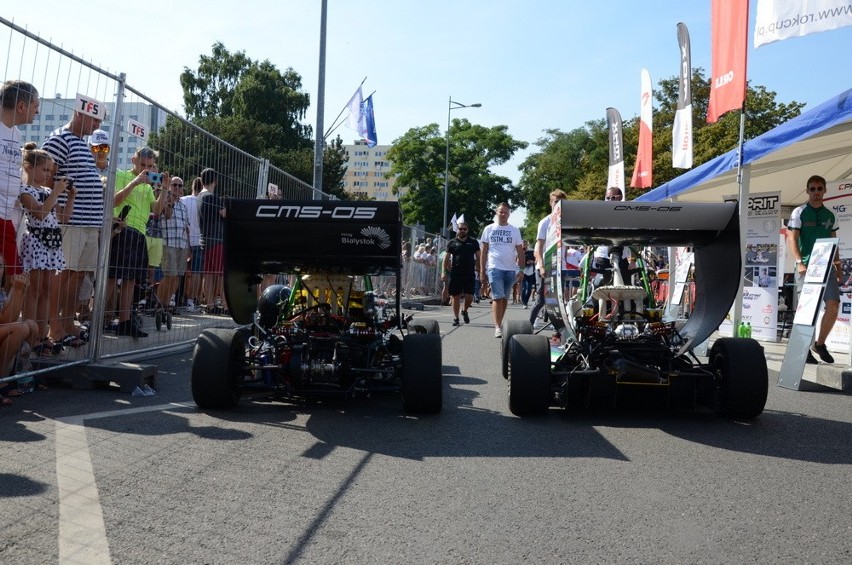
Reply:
x=217, y=365
x=529, y=375
x=426, y=326
x=742, y=378
x=510, y=328
x=421, y=385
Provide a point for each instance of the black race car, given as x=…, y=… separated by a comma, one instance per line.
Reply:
x=329, y=332
x=609, y=344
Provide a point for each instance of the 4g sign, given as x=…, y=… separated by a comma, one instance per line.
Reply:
x=90, y=107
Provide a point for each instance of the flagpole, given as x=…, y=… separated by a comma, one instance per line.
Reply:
x=319, y=143
x=334, y=123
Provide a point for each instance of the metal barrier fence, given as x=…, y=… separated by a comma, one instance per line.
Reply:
x=68, y=83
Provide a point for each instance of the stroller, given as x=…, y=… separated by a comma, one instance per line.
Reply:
x=149, y=304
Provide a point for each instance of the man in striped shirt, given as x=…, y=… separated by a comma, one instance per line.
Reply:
x=81, y=234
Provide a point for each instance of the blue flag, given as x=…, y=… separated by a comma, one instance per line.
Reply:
x=369, y=122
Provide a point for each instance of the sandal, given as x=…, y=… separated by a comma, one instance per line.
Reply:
x=72, y=340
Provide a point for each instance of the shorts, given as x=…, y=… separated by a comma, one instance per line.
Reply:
x=196, y=259
x=155, y=250
x=128, y=256
x=80, y=246
x=501, y=283
x=832, y=288
x=214, y=259
x=461, y=284
x=174, y=261
x=9, y=248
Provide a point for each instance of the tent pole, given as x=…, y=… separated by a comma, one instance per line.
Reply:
x=743, y=180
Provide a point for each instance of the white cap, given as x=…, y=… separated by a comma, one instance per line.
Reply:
x=99, y=137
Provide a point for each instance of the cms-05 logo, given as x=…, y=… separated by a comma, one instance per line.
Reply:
x=313, y=212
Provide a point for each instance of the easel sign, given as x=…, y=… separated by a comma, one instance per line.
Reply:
x=819, y=263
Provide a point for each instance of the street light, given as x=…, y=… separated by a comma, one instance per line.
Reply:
x=453, y=105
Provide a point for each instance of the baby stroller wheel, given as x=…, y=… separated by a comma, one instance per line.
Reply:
x=158, y=320
x=168, y=316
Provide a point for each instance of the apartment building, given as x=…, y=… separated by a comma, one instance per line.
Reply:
x=365, y=172
x=56, y=112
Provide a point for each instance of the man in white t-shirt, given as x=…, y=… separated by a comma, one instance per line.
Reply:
x=541, y=239
x=192, y=280
x=502, y=262
x=18, y=106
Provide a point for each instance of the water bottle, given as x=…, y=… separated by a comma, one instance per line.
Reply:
x=741, y=329
x=748, y=329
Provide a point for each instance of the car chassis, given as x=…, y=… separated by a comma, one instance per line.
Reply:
x=608, y=346
x=332, y=333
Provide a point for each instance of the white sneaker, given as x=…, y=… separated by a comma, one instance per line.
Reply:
x=149, y=391
x=498, y=332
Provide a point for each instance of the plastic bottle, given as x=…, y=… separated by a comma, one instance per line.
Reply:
x=748, y=329
x=741, y=330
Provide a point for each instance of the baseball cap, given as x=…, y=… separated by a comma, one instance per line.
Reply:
x=99, y=137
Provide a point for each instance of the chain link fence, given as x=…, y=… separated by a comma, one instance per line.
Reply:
x=85, y=303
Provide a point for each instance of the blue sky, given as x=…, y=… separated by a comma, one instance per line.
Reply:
x=532, y=64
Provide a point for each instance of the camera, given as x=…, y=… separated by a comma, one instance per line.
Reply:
x=155, y=178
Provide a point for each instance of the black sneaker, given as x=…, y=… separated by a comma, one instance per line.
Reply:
x=811, y=360
x=465, y=317
x=823, y=353
x=456, y=322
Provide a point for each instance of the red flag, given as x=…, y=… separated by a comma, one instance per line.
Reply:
x=644, y=170
x=729, y=27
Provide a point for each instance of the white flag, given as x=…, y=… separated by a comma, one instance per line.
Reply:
x=783, y=19
x=355, y=105
x=455, y=223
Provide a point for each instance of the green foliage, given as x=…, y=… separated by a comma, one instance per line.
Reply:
x=577, y=161
x=255, y=107
x=419, y=159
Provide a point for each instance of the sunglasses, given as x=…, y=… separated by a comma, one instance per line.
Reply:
x=100, y=148
x=177, y=184
x=462, y=229
x=612, y=198
x=816, y=188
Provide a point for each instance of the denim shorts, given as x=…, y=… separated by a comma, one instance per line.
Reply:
x=501, y=282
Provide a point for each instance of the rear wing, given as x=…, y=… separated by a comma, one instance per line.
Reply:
x=711, y=229
x=301, y=237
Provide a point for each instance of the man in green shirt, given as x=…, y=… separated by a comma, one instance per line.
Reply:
x=809, y=222
x=128, y=257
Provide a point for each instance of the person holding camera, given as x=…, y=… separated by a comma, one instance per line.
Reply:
x=128, y=257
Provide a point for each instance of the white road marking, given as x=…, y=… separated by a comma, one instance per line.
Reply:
x=82, y=533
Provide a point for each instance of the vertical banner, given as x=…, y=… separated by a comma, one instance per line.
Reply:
x=682, y=130
x=762, y=274
x=838, y=199
x=729, y=30
x=781, y=19
x=368, y=133
x=643, y=172
x=616, y=152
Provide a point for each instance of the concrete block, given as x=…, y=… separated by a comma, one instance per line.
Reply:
x=832, y=376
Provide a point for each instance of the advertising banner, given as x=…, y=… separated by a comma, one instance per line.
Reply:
x=838, y=199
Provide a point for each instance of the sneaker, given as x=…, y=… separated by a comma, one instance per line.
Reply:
x=823, y=353
x=539, y=324
x=138, y=392
x=526, y=306
x=498, y=332
x=456, y=322
x=148, y=391
x=811, y=360
x=465, y=317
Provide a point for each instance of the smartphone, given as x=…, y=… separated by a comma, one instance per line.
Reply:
x=155, y=178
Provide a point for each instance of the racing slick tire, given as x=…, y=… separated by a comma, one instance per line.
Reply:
x=529, y=389
x=216, y=361
x=510, y=328
x=741, y=377
x=421, y=385
x=426, y=326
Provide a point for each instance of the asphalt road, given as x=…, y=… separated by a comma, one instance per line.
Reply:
x=96, y=476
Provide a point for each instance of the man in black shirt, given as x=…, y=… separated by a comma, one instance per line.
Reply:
x=461, y=261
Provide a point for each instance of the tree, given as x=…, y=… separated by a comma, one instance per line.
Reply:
x=419, y=159
x=255, y=107
x=577, y=162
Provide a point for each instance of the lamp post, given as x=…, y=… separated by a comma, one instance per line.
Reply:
x=453, y=105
